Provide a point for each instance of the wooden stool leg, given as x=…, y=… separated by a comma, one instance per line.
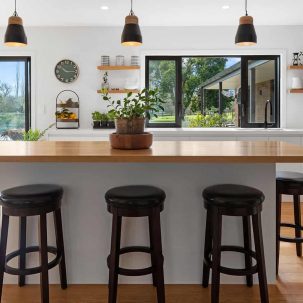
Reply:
x=3, y=243
x=43, y=260
x=207, y=248
x=278, y=228
x=247, y=246
x=114, y=257
x=60, y=247
x=22, y=247
x=153, y=258
x=297, y=216
x=157, y=245
x=257, y=227
x=216, y=256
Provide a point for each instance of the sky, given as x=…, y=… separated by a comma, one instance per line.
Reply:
x=8, y=72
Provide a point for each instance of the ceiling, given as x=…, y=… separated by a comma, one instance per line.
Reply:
x=152, y=12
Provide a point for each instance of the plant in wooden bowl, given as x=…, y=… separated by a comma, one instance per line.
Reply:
x=130, y=114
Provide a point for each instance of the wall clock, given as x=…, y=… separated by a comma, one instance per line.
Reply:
x=66, y=71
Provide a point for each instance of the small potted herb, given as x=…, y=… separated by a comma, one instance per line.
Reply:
x=34, y=134
x=104, y=120
x=111, y=120
x=96, y=116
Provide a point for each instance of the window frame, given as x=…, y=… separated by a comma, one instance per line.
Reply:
x=244, y=87
x=27, y=84
x=245, y=91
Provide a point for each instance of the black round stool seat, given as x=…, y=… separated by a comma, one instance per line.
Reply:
x=34, y=196
x=291, y=177
x=135, y=196
x=232, y=196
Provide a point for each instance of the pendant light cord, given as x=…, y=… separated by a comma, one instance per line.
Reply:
x=131, y=8
x=15, y=12
x=246, y=8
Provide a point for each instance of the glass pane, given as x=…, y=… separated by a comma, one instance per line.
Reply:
x=162, y=75
x=210, y=89
x=261, y=88
x=12, y=97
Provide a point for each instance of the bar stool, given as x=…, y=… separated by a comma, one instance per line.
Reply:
x=239, y=201
x=289, y=183
x=22, y=202
x=136, y=201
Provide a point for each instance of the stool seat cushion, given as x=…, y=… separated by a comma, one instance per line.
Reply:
x=135, y=196
x=232, y=196
x=31, y=196
x=289, y=177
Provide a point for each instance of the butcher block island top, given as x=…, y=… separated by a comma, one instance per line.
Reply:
x=161, y=151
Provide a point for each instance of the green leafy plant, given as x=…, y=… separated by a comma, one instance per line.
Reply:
x=96, y=116
x=35, y=134
x=146, y=103
x=214, y=120
x=104, y=117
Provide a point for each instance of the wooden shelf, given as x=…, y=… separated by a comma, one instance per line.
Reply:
x=295, y=67
x=118, y=67
x=296, y=91
x=120, y=91
x=67, y=120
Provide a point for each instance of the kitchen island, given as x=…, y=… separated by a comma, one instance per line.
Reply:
x=87, y=169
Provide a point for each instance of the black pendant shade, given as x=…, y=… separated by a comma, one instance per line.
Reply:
x=246, y=34
x=15, y=34
x=131, y=35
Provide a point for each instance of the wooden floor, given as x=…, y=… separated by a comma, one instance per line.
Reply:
x=289, y=287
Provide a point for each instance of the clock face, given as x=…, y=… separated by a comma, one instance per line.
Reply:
x=67, y=71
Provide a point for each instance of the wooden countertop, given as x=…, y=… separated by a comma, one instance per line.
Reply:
x=161, y=151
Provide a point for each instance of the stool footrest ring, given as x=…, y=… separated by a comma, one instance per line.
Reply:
x=235, y=271
x=133, y=272
x=33, y=270
x=290, y=239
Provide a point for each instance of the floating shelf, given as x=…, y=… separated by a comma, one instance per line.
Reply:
x=118, y=67
x=67, y=120
x=295, y=67
x=64, y=106
x=120, y=91
x=296, y=91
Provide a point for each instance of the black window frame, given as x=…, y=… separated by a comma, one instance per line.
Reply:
x=179, y=113
x=27, y=84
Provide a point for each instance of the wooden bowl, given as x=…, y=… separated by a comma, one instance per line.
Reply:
x=131, y=141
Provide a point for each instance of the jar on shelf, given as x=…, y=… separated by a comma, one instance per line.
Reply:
x=119, y=60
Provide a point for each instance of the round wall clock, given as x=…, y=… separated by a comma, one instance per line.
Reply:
x=66, y=71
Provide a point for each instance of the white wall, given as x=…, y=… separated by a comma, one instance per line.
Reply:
x=85, y=45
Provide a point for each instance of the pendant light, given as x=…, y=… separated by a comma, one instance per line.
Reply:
x=246, y=34
x=131, y=35
x=15, y=35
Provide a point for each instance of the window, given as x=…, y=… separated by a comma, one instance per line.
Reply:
x=14, y=95
x=215, y=91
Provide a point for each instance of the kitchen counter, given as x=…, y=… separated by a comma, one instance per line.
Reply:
x=87, y=169
x=165, y=151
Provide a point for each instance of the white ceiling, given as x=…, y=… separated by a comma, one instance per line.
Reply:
x=152, y=12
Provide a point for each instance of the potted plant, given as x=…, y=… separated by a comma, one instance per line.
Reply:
x=130, y=114
x=96, y=116
x=111, y=120
x=104, y=120
x=35, y=134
